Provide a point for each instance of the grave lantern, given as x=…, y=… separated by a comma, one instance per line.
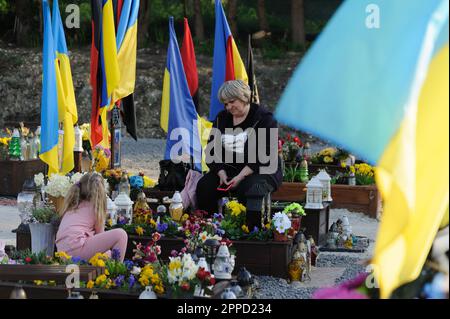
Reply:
x=314, y=195
x=111, y=209
x=124, y=207
x=325, y=179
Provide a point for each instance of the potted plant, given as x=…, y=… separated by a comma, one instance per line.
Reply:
x=295, y=212
x=281, y=225
x=42, y=228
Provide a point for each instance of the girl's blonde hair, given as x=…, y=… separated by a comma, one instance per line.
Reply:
x=90, y=188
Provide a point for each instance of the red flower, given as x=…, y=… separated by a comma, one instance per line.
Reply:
x=28, y=260
x=185, y=286
x=288, y=137
x=201, y=273
x=297, y=140
x=141, y=174
x=212, y=281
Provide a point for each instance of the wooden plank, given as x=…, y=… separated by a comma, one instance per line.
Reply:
x=45, y=272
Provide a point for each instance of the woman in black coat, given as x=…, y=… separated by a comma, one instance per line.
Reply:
x=233, y=157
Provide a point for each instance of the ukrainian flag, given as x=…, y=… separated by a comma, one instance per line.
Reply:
x=49, y=99
x=376, y=83
x=67, y=107
x=126, y=44
x=227, y=62
x=178, y=102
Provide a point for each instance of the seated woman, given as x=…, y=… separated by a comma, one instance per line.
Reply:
x=81, y=232
x=239, y=163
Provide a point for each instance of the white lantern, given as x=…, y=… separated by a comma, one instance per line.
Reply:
x=111, y=209
x=78, y=140
x=314, y=193
x=124, y=206
x=325, y=179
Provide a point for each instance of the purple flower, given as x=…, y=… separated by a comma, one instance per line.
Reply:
x=161, y=228
x=122, y=220
x=174, y=253
x=115, y=255
x=131, y=281
x=218, y=216
x=119, y=280
x=255, y=230
x=220, y=232
x=77, y=260
x=129, y=264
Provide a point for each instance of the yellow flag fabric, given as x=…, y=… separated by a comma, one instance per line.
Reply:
x=109, y=48
x=417, y=203
x=165, y=102
x=239, y=67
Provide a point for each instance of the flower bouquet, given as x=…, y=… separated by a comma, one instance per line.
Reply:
x=290, y=147
x=295, y=212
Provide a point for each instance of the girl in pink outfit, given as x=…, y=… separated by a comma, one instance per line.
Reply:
x=81, y=232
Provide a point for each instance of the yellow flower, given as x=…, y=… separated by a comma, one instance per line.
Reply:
x=147, y=271
x=90, y=284
x=159, y=289
x=139, y=230
x=352, y=169
x=100, y=279
x=52, y=283
x=175, y=264
x=144, y=281
x=343, y=164
x=109, y=222
x=62, y=255
x=152, y=222
x=268, y=226
x=106, y=272
x=38, y=282
x=245, y=229
x=184, y=217
x=155, y=279
x=328, y=159
x=100, y=263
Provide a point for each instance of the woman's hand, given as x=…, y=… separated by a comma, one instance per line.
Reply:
x=236, y=180
x=223, y=177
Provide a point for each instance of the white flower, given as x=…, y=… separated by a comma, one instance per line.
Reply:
x=281, y=222
x=58, y=185
x=39, y=179
x=136, y=271
x=76, y=177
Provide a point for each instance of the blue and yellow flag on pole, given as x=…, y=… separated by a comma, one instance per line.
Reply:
x=227, y=62
x=67, y=107
x=181, y=113
x=376, y=83
x=49, y=99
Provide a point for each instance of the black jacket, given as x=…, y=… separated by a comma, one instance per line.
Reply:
x=258, y=117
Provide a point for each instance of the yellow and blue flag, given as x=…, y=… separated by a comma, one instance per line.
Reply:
x=67, y=107
x=105, y=73
x=227, y=62
x=376, y=83
x=49, y=99
x=178, y=103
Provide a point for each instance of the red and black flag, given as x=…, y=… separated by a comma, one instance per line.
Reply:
x=251, y=73
x=189, y=63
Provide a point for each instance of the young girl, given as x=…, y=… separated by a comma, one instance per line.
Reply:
x=81, y=232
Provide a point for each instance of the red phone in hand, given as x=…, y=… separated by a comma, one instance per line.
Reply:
x=224, y=187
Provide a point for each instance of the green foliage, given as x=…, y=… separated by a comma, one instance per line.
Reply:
x=4, y=6
x=292, y=174
x=115, y=268
x=44, y=214
x=294, y=209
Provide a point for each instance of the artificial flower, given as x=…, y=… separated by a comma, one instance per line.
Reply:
x=139, y=231
x=90, y=284
x=245, y=229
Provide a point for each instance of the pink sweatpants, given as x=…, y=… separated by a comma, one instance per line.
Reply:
x=103, y=243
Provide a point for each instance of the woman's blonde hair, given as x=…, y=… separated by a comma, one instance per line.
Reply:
x=90, y=188
x=235, y=89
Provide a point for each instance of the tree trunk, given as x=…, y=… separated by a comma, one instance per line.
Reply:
x=298, y=22
x=23, y=22
x=263, y=24
x=232, y=17
x=143, y=22
x=199, y=28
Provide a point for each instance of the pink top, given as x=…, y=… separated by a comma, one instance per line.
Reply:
x=76, y=227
